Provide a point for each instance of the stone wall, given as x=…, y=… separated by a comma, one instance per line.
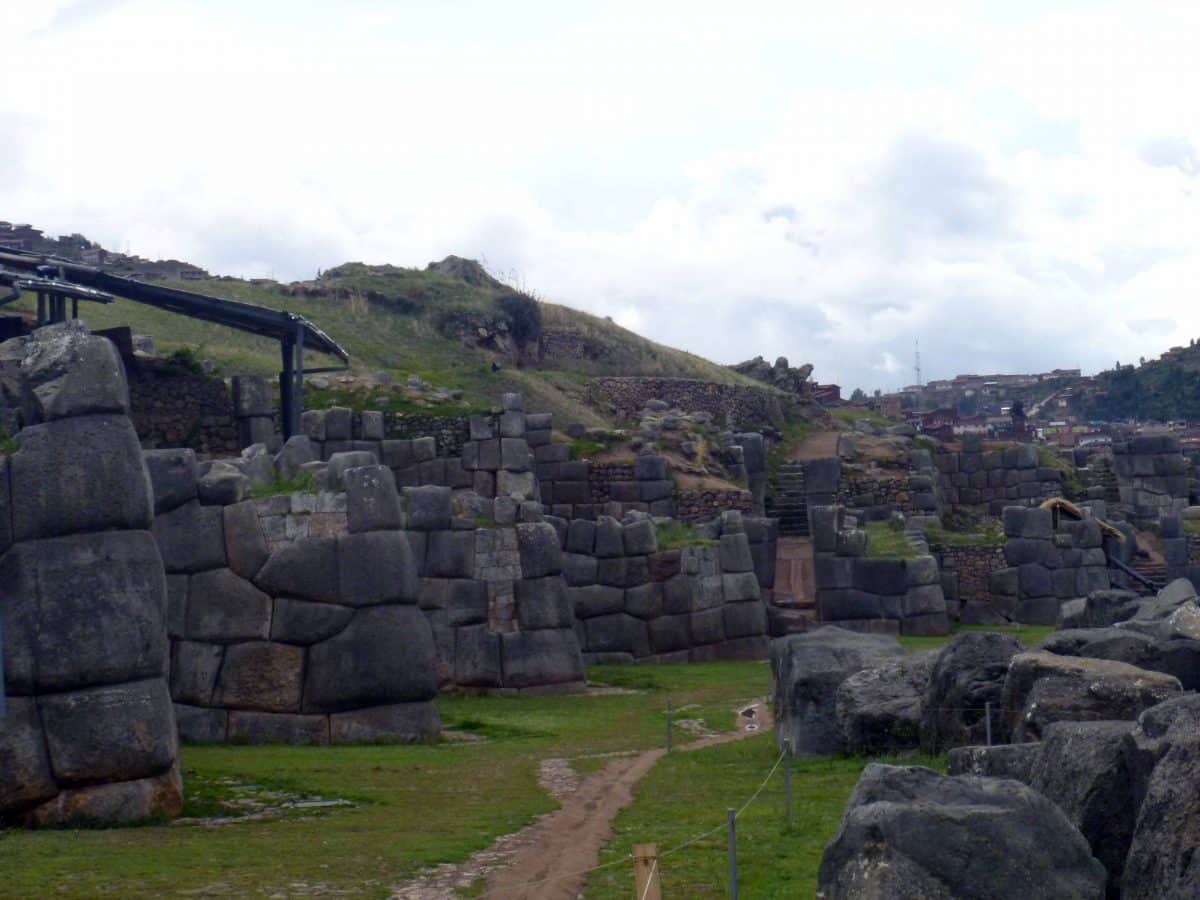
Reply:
x=966, y=580
x=635, y=602
x=733, y=405
x=171, y=407
x=449, y=433
x=703, y=505
x=990, y=480
x=1048, y=565
x=862, y=593
x=880, y=492
x=1152, y=475
x=88, y=736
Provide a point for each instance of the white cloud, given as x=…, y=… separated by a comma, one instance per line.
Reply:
x=1012, y=185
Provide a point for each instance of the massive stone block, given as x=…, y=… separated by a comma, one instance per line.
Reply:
x=476, y=657
x=543, y=603
x=245, y=545
x=379, y=567
x=879, y=709
x=261, y=675
x=194, y=670
x=910, y=832
x=451, y=554
x=25, y=776
x=407, y=722
x=67, y=372
x=539, y=548
x=74, y=475
x=808, y=670
x=307, y=569
x=113, y=733
x=223, y=607
x=541, y=658
x=120, y=803
x=82, y=610
x=191, y=538
x=173, y=477
x=372, y=503
x=385, y=655
x=968, y=674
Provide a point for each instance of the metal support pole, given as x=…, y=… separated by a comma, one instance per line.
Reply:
x=41, y=320
x=287, y=388
x=74, y=307
x=668, y=726
x=731, y=820
x=787, y=778
x=988, y=712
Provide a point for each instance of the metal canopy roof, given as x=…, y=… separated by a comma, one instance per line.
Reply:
x=261, y=320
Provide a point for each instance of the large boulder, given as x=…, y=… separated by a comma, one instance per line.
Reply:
x=968, y=674
x=1041, y=688
x=912, y=834
x=879, y=709
x=1173, y=655
x=66, y=371
x=1162, y=752
x=1081, y=767
x=808, y=670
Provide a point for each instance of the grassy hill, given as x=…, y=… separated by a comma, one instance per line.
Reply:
x=448, y=327
x=1164, y=390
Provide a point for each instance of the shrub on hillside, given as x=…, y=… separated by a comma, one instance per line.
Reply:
x=524, y=316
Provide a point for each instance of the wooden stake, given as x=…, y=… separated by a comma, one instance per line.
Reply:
x=645, y=872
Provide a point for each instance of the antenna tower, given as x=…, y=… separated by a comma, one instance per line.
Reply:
x=917, y=345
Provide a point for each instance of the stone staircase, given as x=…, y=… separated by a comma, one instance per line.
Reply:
x=1153, y=569
x=1105, y=475
x=788, y=502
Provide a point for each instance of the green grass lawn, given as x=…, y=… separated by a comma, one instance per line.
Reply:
x=413, y=806
x=687, y=794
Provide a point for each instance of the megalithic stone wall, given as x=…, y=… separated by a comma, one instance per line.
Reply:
x=89, y=734
x=1152, y=475
x=861, y=593
x=315, y=639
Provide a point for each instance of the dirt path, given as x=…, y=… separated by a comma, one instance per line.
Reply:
x=549, y=859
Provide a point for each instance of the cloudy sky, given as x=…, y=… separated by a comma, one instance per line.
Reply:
x=1013, y=183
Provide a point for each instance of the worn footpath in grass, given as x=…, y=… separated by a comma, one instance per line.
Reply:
x=687, y=794
x=413, y=806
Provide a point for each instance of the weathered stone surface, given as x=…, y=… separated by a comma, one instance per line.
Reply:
x=200, y=725
x=245, y=545
x=476, y=657
x=1082, y=769
x=543, y=603
x=644, y=600
x=912, y=833
x=1161, y=753
x=83, y=610
x=113, y=733
x=194, y=670
x=539, y=548
x=296, y=451
x=1041, y=688
x=372, y=503
x=172, y=477
x=251, y=727
x=639, y=538
x=1117, y=644
x=808, y=670
x=342, y=462
x=541, y=658
x=67, y=372
x=223, y=607
x=609, y=541
x=307, y=568
x=262, y=675
x=1013, y=761
x=617, y=633
x=744, y=619
x=378, y=567
x=879, y=709
x=670, y=633
x=451, y=554
x=968, y=674
x=385, y=655
x=596, y=600
x=121, y=803
x=74, y=475
x=191, y=538
x=25, y=777
x=579, y=569
x=708, y=625
x=881, y=576
x=396, y=722
x=223, y=484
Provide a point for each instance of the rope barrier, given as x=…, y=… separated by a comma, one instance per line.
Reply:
x=650, y=879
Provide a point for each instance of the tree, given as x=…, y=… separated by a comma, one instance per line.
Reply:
x=859, y=396
x=878, y=393
x=1018, y=409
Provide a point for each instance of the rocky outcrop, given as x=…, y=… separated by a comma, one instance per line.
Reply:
x=879, y=710
x=1041, y=688
x=912, y=833
x=809, y=668
x=968, y=675
x=89, y=734
x=780, y=375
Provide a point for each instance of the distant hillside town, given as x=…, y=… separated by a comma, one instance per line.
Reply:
x=78, y=248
